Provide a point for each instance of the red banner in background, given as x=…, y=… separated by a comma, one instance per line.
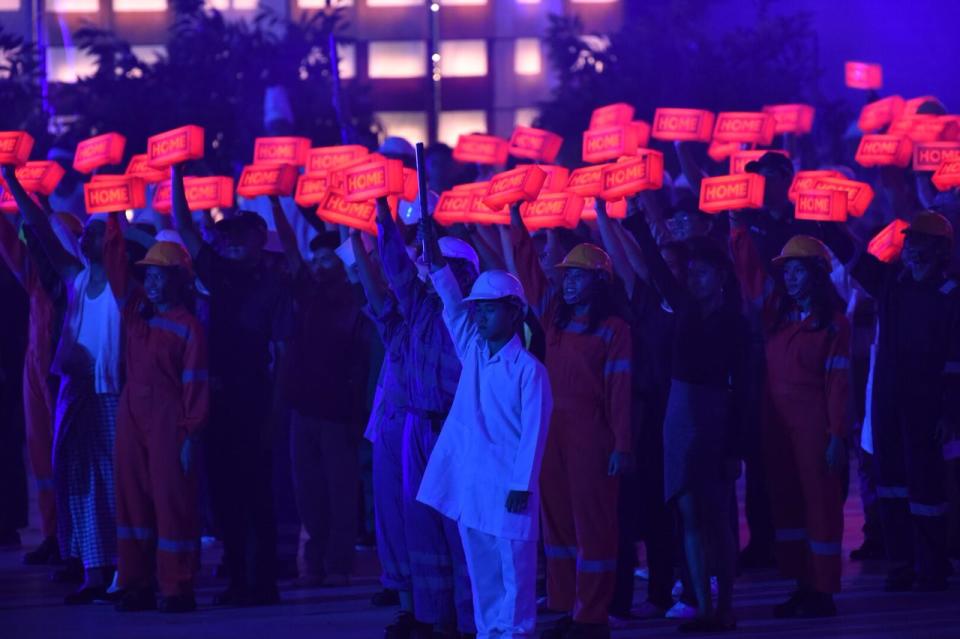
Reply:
x=175, y=146
x=731, y=192
x=535, y=144
x=791, y=118
x=684, y=125
x=281, y=150
x=742, y=126
x=481, y=149
x=618, y=114
x=863, y=75
x=102, y=150
x=328, y=158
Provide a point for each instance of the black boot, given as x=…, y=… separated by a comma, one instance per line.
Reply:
x=177, y=603
x=137, y=600
x=386, y=598
x=71, y=573
x=816, y=605
x=791, y=607
x=870, y=550
x=402, y=627
x=48, y=552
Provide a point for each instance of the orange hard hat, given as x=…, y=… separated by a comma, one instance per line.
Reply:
x=930, y=223
x=803, y=247
x=167, y=255
x=587, y=256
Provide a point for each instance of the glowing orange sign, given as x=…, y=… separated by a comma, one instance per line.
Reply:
x=859, y=194
x=685, y=125
x=552, y=210
x=601, y=145
x=876, y=115
x=741, y=126
x=807, y=180
x=139, y=167
x=311, y=189
x=15, y=147
x=454, y=207
x=862, y=75
x=887, y=244
x=535, y=144
x=358, y=215
x=948, y=175
x=481, y=149
x=616, y=210
x=371, y=180
x=256, y=180
x=740, y=159
x=630, y=176
x=175, y=146
x=925, y=128
x=912, y=106
x=791, y=118
x=586, y=181
x=117, y=194
x=557, y=177
x=731, y=192
x=821, y=206
x=720, y=151
x=202, y=193
x=327, y=158
x=281, y=150
x=884, y=150
x=102, y=150
x=7, y=203
x=523, y=183
x=618, y=114
x=928, y=156
x=40, y=176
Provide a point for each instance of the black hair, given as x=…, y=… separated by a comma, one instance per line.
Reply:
x=825, y=301
x=327, y=240
x=709, y=251
x=608, y=300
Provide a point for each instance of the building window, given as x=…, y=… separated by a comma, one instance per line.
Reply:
x=528, y=1
x=133, y=6
x=9, y=5
x=463, y=58
x=453, y=124
x=463, y=3
x=322, y=4
x=525, y=117
x=148, y=53
x=394, y=3
x=73, y=6
x=405, y=59
x=67, y=64
x=409, y=125
x=593, y=1
x=347, y=57
x=235, y=5
x=527, y=58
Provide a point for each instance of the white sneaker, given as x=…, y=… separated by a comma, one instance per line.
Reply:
x=681, y=610
x=677, y=589
x=642, y=573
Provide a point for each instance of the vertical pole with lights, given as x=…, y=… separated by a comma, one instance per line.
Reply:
x=433, y=53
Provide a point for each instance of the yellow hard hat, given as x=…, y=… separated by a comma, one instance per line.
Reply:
x=930, y=223
x=804, y=246
x=587, y=256
x=167, y=255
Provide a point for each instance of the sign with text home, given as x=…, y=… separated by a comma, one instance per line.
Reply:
x=683, y=125
x=928, y=156
x=863, y=75
x=552, y=210
x=884, y=150
x=257, y=180
x=521, y=184
x=630, y=176
x=281, y=150
x=40, y=176
x=328, y=158
x=791, y=118
x=202, y=193
x=610, y=143
x=102, y=150
x=535, y=144
x=111, y=194
x=15, y=147
x=821, y=206
x=139, y=167
x=372, y=180
x=742, y=126
x=481, y=149
x=175, y=146
x=617, y=114
x=358, y=215
x=731, y=192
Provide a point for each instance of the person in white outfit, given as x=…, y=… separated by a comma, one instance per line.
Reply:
x=485, y=468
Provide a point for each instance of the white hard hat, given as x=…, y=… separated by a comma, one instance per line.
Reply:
x=496, y=285
x=456, y=248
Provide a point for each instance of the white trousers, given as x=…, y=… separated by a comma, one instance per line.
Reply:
x=503, y=574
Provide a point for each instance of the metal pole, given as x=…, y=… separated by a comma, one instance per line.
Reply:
x=38, y=9
x=433, y=58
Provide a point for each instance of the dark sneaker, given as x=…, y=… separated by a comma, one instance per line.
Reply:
x=137, y=600
x=816, y=605
x=47, y=553
x=386, y=598
x=178, y=603
x=870, y=550
x=560, y=629
x=86, y=596
x=791, y=607
x=401, y=628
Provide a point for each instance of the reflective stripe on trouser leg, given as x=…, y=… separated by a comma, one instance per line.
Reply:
x=559, y=531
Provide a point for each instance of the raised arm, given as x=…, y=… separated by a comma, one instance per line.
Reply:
x=66, y=265
x=689, y=166
x=398, y=268
x=288, y=239
x=535, y=409
x=373, y=287
x=309, y=214
x=755, y=283
x=115, y=261
x=462, y=331
x=181, y=213
x=529, y=271
x=614, y=246
x=486, y=239
x=869, y=272
x=13, y=252
x=660, y=275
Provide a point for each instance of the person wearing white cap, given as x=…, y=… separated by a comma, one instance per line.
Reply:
x=484, y=471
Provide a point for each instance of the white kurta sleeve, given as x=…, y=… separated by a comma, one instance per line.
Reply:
x=463, y=332
x=535, y=409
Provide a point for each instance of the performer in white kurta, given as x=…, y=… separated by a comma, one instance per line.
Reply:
x=485, y=468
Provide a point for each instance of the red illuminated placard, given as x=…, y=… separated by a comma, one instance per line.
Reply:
x=807, y=180
x=557, y=177
x=411, y=185
x=359, y=215
x=684, y=125
x=879, y=114
x=473, y=187
x=791, y=118
x=175, y=146
x=821, y=206
x=202, y=193
x=887, y=244
x=740, y=159
x=925, y=128
x=731, y=192
x=535, y=144
x=256, y=180
x=551, y=210
x=520, y=184
x=102, y=150
x=642, y=131
x=928, y=156
x=115, y=194
x=884, y=150
x=40, y=176
x=610, y=143
x=948, y=175
x=912, y=106
x=586, y=181
x=311, y=189
x=863, y=75
x=630, y=176
x=742, y=126
x=454, y=207
x=481, y=149
x=618, y=114
x=859, y=194
x=281, y=150
x=328, y=158
x=951, y=128
x=139, y=167
x=720, y=151
x=15, y=147
x=616, y=210
x=372, y=180
x=7, y=203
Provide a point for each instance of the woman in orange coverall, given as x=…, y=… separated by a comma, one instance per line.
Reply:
x=806, y=415
x=164, y=403
x=588, y=358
